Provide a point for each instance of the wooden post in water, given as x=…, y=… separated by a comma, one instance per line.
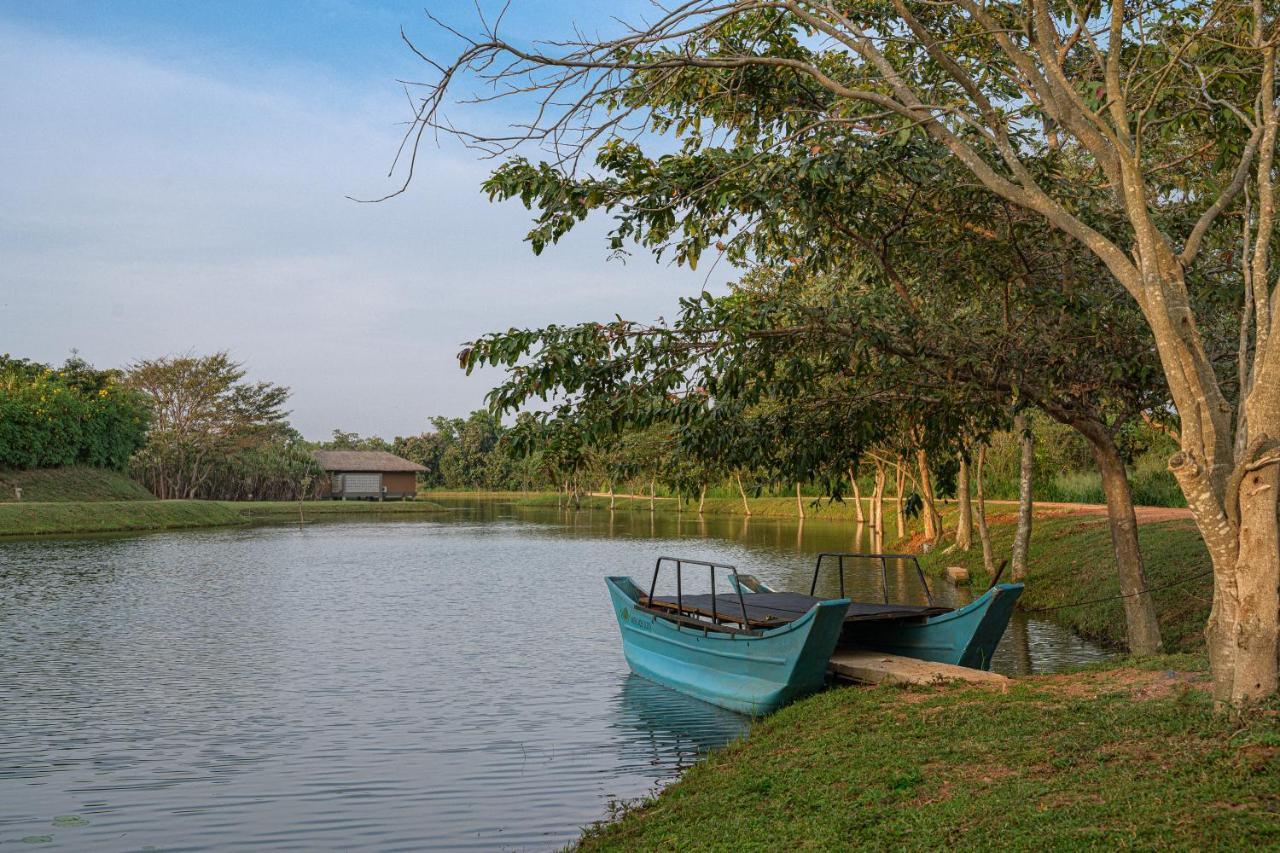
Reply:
x=302, y=493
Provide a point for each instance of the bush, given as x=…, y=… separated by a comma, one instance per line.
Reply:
x=76, y=415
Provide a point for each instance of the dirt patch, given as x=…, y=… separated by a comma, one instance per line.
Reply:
x=1141, y=685
x=1146, y=514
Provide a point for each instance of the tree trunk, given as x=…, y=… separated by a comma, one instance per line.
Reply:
x=702, y=498
x=1139, y=609
x=932, y=520
x=900, y=485
x=984, y=533
x=651, y=488
x=611, y=496
x=877, y=510
x=964, y=527
x=746, y=508
x=1022, y=536
x=857, y=496
x=799, y=502
x=1257, y=574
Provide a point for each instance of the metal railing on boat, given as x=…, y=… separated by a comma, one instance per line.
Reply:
x=884, y=559
x=680, y=563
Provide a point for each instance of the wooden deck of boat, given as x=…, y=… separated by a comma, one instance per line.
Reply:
x=772, y=609
x=868, y=667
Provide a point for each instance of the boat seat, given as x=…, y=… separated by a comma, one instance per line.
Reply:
x=771, y=609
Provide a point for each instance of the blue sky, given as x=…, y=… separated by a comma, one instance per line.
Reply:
x=175, y=178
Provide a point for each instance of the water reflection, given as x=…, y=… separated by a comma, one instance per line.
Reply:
x=660, y=728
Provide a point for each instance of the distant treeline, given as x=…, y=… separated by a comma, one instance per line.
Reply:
x=194, y=427
x=477, y=452
x=185, y=427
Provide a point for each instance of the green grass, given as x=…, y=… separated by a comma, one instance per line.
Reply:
x=1071, y=561
x=75, y=517
x=74, y=483
x=1101, y=759
x=70, y=517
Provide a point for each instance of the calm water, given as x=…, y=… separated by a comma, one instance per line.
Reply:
x=448, y=683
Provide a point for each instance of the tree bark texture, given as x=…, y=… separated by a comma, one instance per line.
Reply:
x=857, y=496
x=1139, y=609
x=964, y=526
x=984, y=533
x=932, y=519
x=1022, y=536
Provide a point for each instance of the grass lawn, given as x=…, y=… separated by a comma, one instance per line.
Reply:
x=1127, y=757
x=73, y=483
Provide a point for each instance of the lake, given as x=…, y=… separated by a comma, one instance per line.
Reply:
x=449, y=682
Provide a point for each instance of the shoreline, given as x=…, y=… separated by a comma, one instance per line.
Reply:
x=74, y=518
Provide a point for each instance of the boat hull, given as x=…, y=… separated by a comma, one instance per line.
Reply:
x=750, y=673
x=967, y=636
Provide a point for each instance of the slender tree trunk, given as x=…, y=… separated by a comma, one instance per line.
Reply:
x=799, y=502
x=702, y=498
x=900, y=486
x=651, y=490
x=857, y=495
x=1022, y=536
x=877, y=510
x=746, y=508
x=611, y=496
x=984, y=533
x=964, y=527
x=1139, y=609
x=932, y=520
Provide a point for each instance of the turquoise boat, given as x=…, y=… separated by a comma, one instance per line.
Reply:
x=755, y=649
x=965, y=636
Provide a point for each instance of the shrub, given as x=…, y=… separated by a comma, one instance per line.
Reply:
x=74, y=415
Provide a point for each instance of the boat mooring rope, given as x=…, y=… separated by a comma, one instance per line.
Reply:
x=1122, y=595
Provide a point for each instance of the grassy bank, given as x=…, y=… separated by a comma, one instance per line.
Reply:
x=1111, y=758
x=320, y=510
x=31, y=518
x=73, y=483
x=75, y=517
x=1071, y=561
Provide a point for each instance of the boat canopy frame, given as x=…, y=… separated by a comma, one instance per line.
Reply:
x=841, y=556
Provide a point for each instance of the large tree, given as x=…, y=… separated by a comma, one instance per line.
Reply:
x=1171, y=106
x=203, y=411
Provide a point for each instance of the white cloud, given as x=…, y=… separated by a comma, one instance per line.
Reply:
x=146, y=208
